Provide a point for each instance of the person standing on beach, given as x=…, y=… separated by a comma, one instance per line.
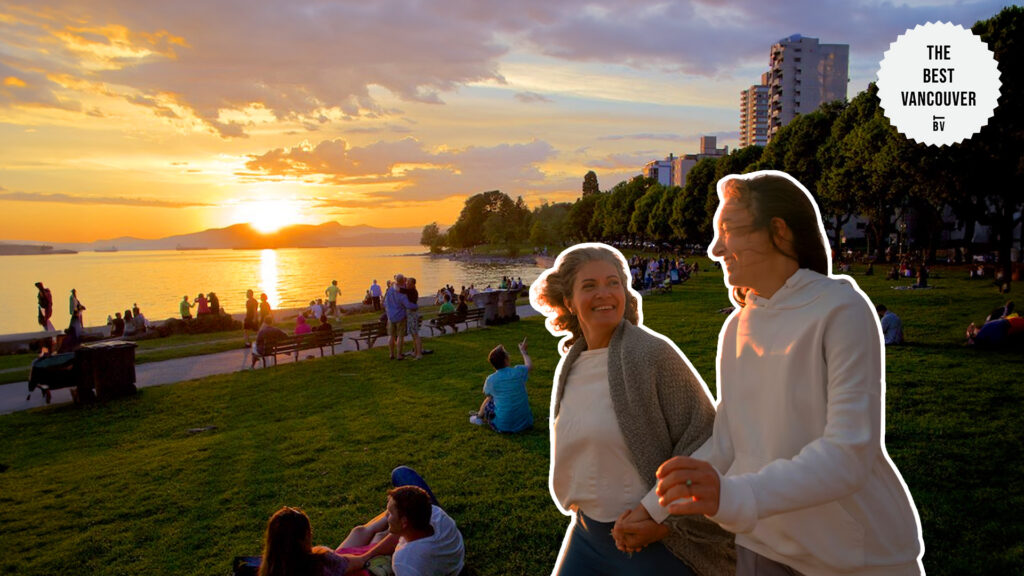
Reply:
x=332, y=297
x=45, y=301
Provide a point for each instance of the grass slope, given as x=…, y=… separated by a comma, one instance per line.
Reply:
x=181, y=478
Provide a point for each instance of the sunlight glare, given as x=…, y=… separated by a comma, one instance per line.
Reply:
x=268, y=216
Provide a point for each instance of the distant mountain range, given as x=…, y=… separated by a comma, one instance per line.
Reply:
x=241, y=236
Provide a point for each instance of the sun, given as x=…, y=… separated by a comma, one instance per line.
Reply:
x=267, y=216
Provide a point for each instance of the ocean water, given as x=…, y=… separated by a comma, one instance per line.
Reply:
x=108, y=282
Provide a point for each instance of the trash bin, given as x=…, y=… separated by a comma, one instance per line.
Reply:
x=108, y=367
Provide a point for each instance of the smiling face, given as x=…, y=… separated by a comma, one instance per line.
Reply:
x=598, y=301
x=741, y=246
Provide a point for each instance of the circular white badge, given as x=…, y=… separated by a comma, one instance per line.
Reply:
x=938, y=84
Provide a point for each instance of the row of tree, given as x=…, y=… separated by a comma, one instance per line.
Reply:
x=846, y=153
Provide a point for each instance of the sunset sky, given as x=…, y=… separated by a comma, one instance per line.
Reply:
x=146, y=119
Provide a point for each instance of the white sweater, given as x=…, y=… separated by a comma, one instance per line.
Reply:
x=798, y=437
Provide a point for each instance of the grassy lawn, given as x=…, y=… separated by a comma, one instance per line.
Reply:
x=181, y=478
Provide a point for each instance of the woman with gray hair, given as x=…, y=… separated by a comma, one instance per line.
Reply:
x=624, y=399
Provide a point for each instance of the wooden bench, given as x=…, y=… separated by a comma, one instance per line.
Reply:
x=474, y=315
x=293, y=345
x=452, y=319
x=370, y=332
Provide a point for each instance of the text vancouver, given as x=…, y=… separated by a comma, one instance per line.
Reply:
x=939, y=98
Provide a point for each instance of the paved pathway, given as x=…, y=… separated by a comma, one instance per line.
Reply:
x=12, y=396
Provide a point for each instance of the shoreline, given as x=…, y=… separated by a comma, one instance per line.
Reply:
x=10, y=343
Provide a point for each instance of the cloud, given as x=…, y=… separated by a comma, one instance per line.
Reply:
x=707, y=38
x=643, y=136
x=531, y=98
x=61, y=198
x=311, y=63
x=299, y=60
x=405, y=170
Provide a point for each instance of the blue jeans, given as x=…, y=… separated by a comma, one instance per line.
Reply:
x=591, y=551
x=405, y=476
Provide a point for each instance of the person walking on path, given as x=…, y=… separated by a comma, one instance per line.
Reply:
x=332, y=293
x=796, y=465
x=265, y=310
x=251, y=323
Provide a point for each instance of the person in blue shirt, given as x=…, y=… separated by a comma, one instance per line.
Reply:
x=506, y=407
x=892, y=326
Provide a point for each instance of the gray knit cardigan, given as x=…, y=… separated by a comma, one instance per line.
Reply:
x=662, y=411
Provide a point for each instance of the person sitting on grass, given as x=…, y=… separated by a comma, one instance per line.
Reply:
x=288, y=548
x=892, y=326
x=419, y=537
x=265, y=338
x=506, y=407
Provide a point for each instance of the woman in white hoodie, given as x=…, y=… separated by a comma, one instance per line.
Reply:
x=796, y=465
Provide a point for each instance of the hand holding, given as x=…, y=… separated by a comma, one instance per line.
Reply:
x=635, y=530
x=689, y=486
x=522, y=346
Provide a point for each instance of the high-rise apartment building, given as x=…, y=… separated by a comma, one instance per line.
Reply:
x=661, y=170
x=804, y=74
x=754, y=114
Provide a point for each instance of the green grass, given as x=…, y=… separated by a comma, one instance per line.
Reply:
x=126, y=488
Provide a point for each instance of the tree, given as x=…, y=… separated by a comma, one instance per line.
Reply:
x=590, y=185
x=642, y=210
x=862, y=175
x=577, y=222
x=618, y=206
x=468, y=230
x=550, y=224
x=659, y=225
x=996, y=152
x=432, y=237
x=691, y=220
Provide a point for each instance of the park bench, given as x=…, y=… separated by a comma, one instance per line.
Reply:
x=293, y=345
x=369, y=333
x=452, y=319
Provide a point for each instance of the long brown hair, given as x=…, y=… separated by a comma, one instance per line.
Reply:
x=554, y=287
x=288, y=545
x=774, y=195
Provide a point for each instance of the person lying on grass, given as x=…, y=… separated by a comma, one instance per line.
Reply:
x=506, y=407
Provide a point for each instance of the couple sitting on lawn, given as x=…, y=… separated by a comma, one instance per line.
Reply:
x=413, y=537
x=506, y=407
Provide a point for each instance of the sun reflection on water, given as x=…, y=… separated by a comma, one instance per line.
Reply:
x=268, y=277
